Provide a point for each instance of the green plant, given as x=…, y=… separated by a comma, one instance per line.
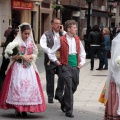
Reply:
x=58, y=7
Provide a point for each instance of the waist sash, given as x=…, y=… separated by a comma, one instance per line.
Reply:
x=72, y=60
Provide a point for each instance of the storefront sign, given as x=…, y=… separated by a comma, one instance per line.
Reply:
x=19, y=4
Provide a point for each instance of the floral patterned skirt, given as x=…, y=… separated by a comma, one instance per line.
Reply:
x=26, y=108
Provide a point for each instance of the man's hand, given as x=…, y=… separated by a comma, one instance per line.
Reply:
x=58, y=63
x=61, y=28
x=79, y=66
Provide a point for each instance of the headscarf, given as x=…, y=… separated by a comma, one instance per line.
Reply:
x=18, y=39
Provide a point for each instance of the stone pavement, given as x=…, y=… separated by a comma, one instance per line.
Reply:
x=86, y=105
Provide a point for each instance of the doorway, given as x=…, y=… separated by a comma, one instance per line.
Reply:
x=33, y=24
x=45, y=22
x=16, y=18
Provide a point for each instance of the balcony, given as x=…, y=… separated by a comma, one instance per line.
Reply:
x=113, y=0
x=74, y=3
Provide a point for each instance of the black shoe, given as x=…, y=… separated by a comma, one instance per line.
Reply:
x=24, y=114
x=63, y=108
x=69, y=115
x=17, y=114
x=105, y=68
x=91, y=69
x=50, y=101
x=57, y=98
x=99, y=69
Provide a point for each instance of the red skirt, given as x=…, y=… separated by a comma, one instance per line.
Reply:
x=112, y=104
x=20, y=108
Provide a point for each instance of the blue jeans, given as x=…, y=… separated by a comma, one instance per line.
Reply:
x=105, y=59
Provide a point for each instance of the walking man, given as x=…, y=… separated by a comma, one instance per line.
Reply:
x=47, y=41
x=72, y=58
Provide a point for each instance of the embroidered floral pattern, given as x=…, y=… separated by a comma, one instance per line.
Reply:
x=22, y=50
x=23, y=89
x=24, y=93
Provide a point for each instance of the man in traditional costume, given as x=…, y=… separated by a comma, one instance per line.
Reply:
x=72, y=58
x=47, y=41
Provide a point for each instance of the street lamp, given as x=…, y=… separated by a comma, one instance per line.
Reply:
x=110, y=11
x=88, y=16
x=56, y=9
x=88, y=28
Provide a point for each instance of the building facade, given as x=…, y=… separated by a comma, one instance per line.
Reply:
x=5, y=17
x=115, y=19
x=78, y=10
x=40, y=12
x=36, y=12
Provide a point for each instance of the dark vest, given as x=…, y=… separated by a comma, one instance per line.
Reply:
x=64, y=49
x=50, y=42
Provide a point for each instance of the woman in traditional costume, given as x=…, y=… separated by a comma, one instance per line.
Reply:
x=22, y=89
x=112, y=86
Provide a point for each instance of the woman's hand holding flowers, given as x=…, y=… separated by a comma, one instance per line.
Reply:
x=16, y=57
x=27, y=58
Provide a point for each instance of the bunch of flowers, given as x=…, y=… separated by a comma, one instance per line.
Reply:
x=13, y=49
x=117, y=61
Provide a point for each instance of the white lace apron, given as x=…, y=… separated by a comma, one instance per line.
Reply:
x=24, y=89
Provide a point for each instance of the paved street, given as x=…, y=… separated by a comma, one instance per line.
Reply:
x=86, y=105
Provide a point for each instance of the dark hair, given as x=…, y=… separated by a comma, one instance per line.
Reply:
x=11, y=36
x=96, y=28
x=16, y=31
x=25, y=27
x=52, y=21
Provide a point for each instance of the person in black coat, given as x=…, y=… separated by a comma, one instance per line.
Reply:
x=95, y=39
x=5, y=61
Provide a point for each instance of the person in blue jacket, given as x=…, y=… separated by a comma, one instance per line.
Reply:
x=106, y=47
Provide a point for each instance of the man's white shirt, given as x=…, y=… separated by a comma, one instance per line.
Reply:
x=72, y=49
x=43, y=41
